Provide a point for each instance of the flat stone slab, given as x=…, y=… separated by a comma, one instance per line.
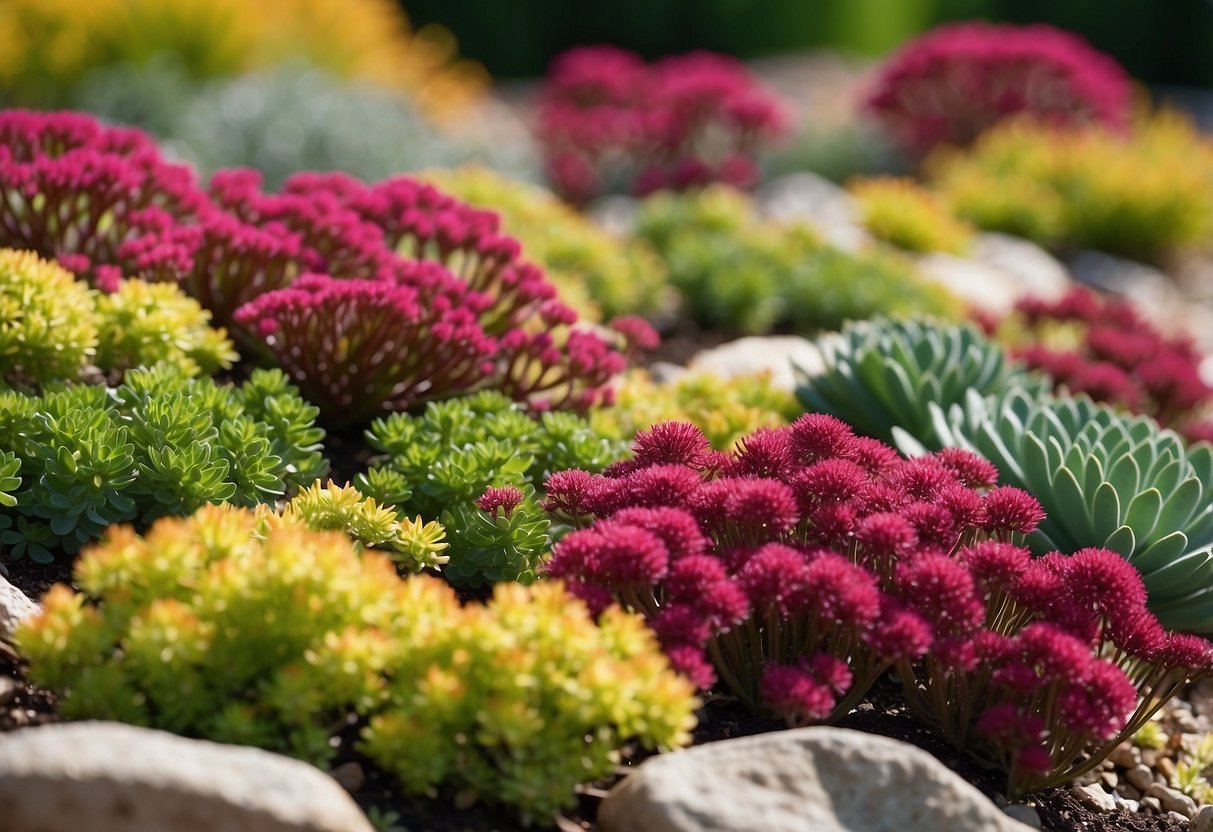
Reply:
x=110, y=777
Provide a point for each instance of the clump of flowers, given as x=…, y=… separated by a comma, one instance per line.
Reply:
x=474, y=463
x=159, y=444
x=1104, y=347
x=48, y=325
x=1139, y=194
x=348, y=286
x=607, y=121
x=904, y=214
x=954, y=82
x=801, y=566
x=256, y=630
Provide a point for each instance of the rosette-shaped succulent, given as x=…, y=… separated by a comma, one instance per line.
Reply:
x=882, y=375
x=1105, y=479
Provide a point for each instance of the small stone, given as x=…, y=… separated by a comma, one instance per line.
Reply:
x=1152, y=804
x=1166, y=767
x=1172, y=801
x=1203, y=821
x=1025, y=814
x=15, y=607
x=1129, y=805
x=1148, y=757
x=8, y=690
x=1108, y=780
x=1094, y=798
x=1140, y=777
x=1128, y=792
x=1177, y=817
x=350, y=775
x=1125, y=755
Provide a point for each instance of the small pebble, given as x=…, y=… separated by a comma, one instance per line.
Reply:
x=8, y=690
x=1125, y=755
x=1166, y=766
x=1152, y=804
x=1172, y=801
x=1024, y=814
x=1177, y=817
x=1148, y=756
x=1094, y=798
x=1128, y=792
x=1140, y=777
x=1203, y=822
x=1108, y=780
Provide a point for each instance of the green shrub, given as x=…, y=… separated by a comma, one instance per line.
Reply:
x=1105, y=479
x=255, y=630
x=159, y=444
x=439, y=463
x=904, y=214
x=882, y=376
x=739, y=273
x=48, y=326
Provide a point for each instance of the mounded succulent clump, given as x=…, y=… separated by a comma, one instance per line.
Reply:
x=800, y=567
x=249, y=628
x=907, y=215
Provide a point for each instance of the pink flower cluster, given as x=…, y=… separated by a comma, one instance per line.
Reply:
x=800, y=567
x=372, y=297
x=955, y=81
x=1121, y=359
x=607, y=120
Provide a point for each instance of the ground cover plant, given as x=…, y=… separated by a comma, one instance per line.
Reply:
x=1105, y=348
x=803, y=565
x=338, y=281
x=609, y=122
x=956, y=81
x=172, y=630
x=1140, y=194
x=741, y=274
x=907, y=215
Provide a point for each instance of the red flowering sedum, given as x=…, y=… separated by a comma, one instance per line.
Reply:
x=607, y=119
x=952, y=83
x=799, y=568
x=373, y=297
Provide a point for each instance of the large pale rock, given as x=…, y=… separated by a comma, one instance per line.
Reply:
x=109, y=777
x=767, y=353
x=1033, y=270
x=808, y=198
x=978, y=284
x=14, y=608
x=823, y=779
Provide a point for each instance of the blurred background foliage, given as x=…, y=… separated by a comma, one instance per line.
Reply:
x=1158, y=41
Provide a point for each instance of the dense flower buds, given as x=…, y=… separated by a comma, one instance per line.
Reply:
x=608, y=120
x=955, y=81
x=805, y=563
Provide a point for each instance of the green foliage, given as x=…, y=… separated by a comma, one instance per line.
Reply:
x=48, y=327
x=413, y=545
x=1139, y=195
x=881, y=376
x=438, y=463
x=161, y=443
x=594, y=271
x=724, y=409
x=742, y=274
x=1105, y=479
x=903, y=213
x=145, y=323
x=252, y=629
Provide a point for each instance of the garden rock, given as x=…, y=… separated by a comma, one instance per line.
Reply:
x=1203, y=821
x=824, y=779
x=110, y=777
x=14, y=608
x=771, y=353
x=1094, y=798
x=812, y=199
x=1033, y=270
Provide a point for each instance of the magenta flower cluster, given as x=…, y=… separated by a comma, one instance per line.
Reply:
x=607, y=120
x=372, y=297
x=955, y=81
x=1120, y=358
x=801, y=567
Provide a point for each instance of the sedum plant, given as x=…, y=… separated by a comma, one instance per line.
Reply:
x=956, y=81
x=1106, y=479
x=159, y=444
x=725, y=409
x=412, y=544
x=48, y=324
x=1139, y=195
x=881, y=376
x=474, y=463
x=614, y=277
x=801, y=566
x=742, y=274
x=903, y=213
x=256, y=630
